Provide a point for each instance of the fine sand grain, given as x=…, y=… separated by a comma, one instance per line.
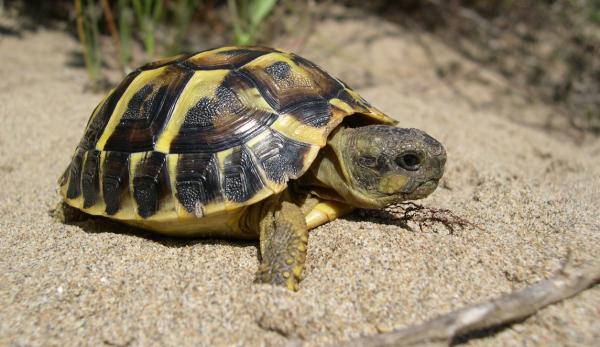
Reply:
x=534, y=192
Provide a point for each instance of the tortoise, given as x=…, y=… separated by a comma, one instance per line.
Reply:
x=244, y=142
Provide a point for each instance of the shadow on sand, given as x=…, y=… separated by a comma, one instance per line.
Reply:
x=98, y=225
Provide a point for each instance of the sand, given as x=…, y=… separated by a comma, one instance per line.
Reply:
x=534, y=191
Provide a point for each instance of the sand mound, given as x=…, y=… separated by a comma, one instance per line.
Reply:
x=535, y=194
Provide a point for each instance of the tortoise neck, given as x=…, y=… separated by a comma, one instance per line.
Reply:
x=329, y=177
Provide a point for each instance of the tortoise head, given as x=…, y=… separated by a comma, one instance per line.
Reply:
x=387, y=165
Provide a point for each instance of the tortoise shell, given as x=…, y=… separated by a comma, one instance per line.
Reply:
x=195, y=135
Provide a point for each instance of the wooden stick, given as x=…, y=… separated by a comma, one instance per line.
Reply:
x=508, y=308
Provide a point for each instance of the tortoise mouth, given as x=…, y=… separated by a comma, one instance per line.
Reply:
x=422, y=190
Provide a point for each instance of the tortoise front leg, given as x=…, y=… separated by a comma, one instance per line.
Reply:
x=283, y=239
x=326, y=211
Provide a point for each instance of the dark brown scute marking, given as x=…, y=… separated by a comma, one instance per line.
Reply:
x=200, y=115
x=207, y=110
x=316, y=112
x=90, y=182
x=236, y=51
x=74, y=189
x=328, y=85
x=360, y=105
x=142, y=103
x=163, y=62
x=64, y=178
x=115, y=180
x=222, y=122
x=230, y=59
x=299, y=94
x=241, y=177
x=147, y=187
x=197, y=180
x=279, y=71
x=97, y=124
x=147, y=112
x=281, y=158
x=304, y=62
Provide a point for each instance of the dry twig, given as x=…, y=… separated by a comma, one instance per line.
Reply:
x=428, y=216
x=110, y=22
x=506, y=309
x=423, y=216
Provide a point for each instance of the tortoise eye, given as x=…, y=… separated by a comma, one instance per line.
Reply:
x=367, y=161
x=410, y=161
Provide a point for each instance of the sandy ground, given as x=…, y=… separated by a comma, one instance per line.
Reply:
x=535, y=193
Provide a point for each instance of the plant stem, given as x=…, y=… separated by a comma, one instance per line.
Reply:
x=125, y=34
x=88, y=35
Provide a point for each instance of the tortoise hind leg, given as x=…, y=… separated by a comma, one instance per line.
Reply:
x=283, y=239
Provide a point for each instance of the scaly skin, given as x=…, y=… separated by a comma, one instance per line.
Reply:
x=283, y=240
x=366, y=167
